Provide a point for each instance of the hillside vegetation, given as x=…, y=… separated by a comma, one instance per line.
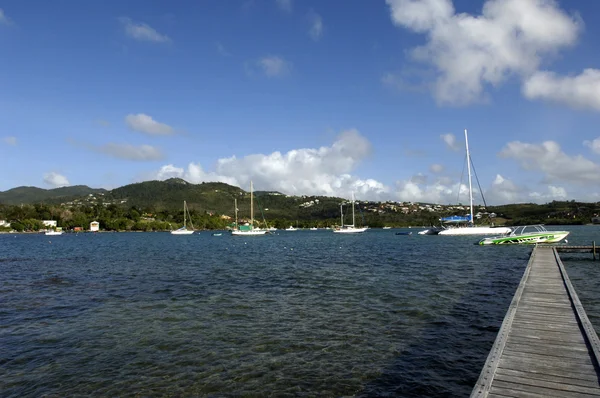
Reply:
x=158, y=205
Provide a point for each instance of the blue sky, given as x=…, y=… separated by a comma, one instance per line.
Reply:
x=305, y=97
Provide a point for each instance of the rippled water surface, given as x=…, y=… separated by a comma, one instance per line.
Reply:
x=295, y=314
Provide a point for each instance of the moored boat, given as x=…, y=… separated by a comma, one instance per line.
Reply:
x=248, y=229
x=55, y=232
x=184, y=230
x=526, y=234
x=469, y=227
x=349, y=229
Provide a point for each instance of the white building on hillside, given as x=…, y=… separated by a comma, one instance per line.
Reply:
x=49, y=223
x=94, y=226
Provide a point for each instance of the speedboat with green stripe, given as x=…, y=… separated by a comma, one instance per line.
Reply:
x=526, y=234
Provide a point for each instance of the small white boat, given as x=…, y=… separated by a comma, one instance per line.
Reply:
x=387, y=227
x=183, y=230
x=348, y=229
x=291, y=228
x=55, y=232
x=314, y=229
x=526, y=234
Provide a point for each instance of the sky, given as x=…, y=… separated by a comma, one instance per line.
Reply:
x=305, y=97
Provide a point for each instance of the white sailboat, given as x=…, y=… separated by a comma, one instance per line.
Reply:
x=472, y=229
x=183, y=230
x=247, y=230
x=348, y=229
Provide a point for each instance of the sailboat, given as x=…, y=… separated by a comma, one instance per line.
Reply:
x=348, y=229
x=247, y=230
x=470, y=229
x=183, y=230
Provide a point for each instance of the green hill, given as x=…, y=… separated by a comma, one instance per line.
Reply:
x=26, y=195
x=218, y=198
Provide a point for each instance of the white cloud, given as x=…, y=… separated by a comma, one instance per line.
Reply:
x=505, y=191
x=436, y=168
x=557, y=192
x=222, y=50
x=307, y=171
x=510, y=37
x=273, y=66
x=501, y=191
x=130, y=152
x=415, y=190
x=4, y=20
x=556, y=165
x=142, y=32
x=10, y=140
x=552, y=193
x=145, y=124
x=450, y=141
x=316, y=25
x=285, y=5
x=581, y=91
x=593, y=145
x=55, y=180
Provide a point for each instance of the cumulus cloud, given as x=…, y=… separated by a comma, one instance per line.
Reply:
x=594, y=145
x=468, y=53
x=450, y=141
x=55, y=180
x=142, y=32
x=436, y=168
x=580, y=92
x=308, y=171
x=549, y=159
x=416, y=190
x=145, y=124
x=284, y=5
x=271, y=66
x=316, y=25
x=10, y=140
x=130, y=152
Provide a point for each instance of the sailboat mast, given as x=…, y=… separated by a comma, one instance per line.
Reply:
x=352, y=208
x=251, y=207
x=184, y=207
x=235, y=209
x=342, y=214
x=469, y=169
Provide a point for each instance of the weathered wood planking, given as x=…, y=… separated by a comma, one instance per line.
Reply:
x=546, y=346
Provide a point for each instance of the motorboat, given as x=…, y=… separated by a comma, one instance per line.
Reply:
x=526, y=234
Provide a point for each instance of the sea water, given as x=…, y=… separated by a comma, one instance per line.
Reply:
x=305, y=313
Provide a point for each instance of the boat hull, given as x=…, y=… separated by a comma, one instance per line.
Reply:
x=475, y=231
x=182, y=232
x=349, y=230
x=255, y=232
x=529, y=238
x=53, y=233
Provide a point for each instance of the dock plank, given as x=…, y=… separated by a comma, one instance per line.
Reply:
x=546, y=346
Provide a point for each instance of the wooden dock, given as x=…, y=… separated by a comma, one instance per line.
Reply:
x=578, y=249
x=546, y=346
